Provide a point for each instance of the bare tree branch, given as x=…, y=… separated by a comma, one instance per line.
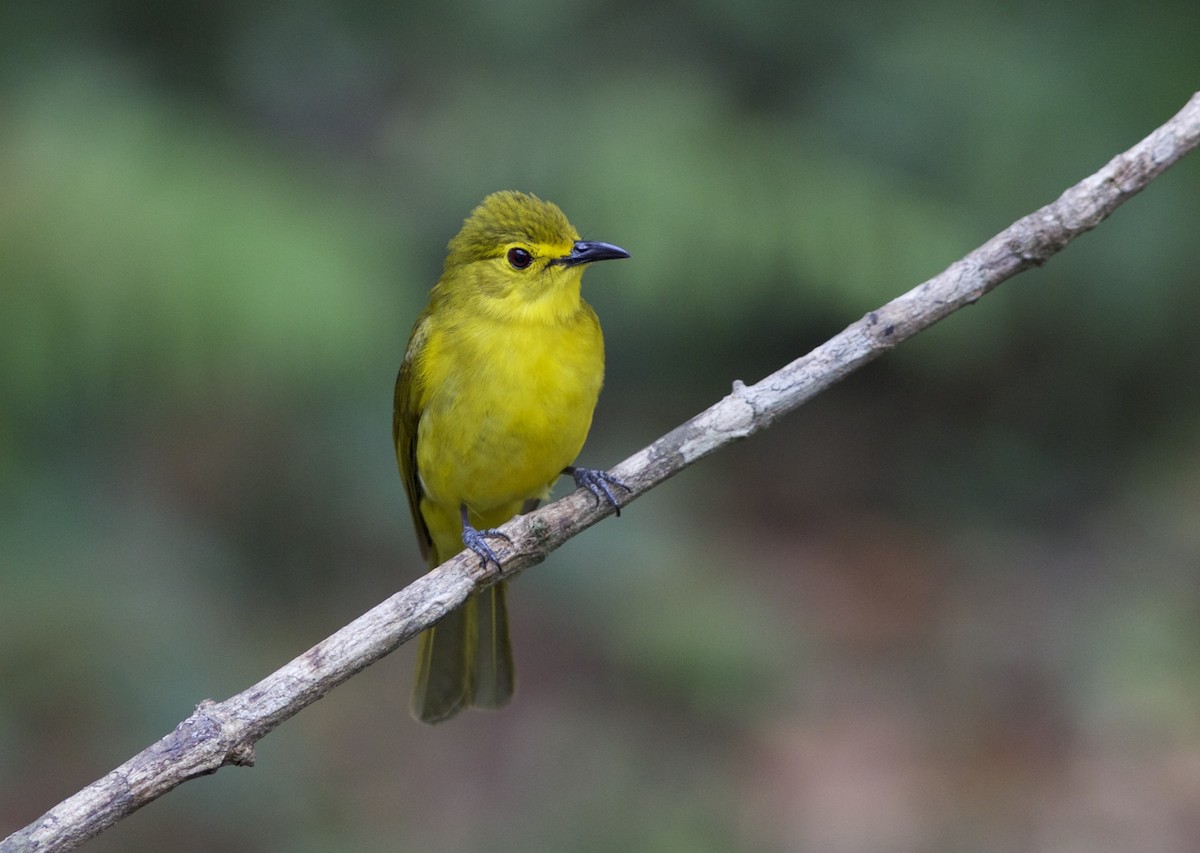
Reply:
x=221, y=733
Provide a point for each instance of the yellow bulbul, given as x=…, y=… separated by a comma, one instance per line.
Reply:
x=493, y=403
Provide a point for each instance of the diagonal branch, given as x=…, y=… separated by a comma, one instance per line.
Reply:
x=221, y=733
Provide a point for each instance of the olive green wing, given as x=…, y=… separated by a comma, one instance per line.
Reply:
x=406, y=415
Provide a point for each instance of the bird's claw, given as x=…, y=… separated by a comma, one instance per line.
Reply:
x=598, y=483
x=476, y=541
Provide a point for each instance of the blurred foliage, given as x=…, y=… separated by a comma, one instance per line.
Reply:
x=950, y=605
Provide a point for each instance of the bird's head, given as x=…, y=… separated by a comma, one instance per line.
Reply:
x=522, y=252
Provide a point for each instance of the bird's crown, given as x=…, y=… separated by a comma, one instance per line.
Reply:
x=508, y=217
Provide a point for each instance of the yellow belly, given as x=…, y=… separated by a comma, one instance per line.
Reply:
x=510, y=407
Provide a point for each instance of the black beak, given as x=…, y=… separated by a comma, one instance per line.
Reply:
x=586, y=251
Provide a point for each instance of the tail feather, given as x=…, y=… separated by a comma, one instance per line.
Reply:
x=493, y=675
x=465, y=659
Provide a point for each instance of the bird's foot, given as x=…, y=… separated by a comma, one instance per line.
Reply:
x=599, y=483
x=476, y=541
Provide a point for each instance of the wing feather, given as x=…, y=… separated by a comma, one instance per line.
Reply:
x=406, y=416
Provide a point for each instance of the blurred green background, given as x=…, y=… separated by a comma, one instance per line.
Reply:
x=953, y=604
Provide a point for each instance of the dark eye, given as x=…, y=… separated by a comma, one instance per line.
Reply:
x=519, y=258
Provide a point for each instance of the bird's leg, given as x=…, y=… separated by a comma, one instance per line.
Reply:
x=597, y=482
x=476, y=540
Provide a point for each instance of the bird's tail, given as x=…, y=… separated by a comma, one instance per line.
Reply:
x=465, y=659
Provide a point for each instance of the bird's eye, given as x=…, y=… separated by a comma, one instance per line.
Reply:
x=519, y=258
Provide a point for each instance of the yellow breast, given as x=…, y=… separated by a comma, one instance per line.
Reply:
x=509, y=406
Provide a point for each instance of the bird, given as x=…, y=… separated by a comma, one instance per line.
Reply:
x=493, y=403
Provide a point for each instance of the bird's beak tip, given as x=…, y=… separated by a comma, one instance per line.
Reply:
x=587, y=251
